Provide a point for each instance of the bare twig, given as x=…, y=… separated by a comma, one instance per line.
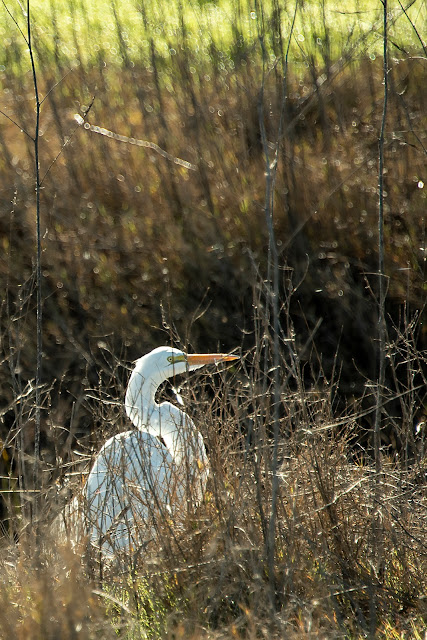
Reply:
x=381, y=275
x=381, y=323
x=16, y=22
x=38, y=251
x=414, y=27
x=69, y=137
x=271, y=163
x=16, y=124
x=135, y=141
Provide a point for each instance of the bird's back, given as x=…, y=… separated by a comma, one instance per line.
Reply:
x=133, y=486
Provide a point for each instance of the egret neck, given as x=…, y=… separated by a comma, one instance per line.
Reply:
x=164, y=420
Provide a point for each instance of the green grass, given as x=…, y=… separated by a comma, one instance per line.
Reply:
x=120, y=32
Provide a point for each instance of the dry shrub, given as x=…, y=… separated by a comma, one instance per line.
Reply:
x=46, y=595
x=336, y=551
x=329, y=563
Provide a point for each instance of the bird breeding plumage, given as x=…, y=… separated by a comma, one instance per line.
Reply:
x=154, y=472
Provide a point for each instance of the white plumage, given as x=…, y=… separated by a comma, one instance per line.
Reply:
x=154, y=473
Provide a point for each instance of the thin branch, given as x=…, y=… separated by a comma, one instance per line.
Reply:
x=376, y=523
x=15, y=21
x=273, y=276
x=17, y=125
x=413, y=26
x=381, y=275
x=271, y=174
x=56, y=84
x=38, y=253
x=135, y=141
x=68, y=140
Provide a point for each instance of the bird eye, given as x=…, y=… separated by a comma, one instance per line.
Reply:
x=175, y=359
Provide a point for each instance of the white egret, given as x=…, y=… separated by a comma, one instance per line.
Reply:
x=153, y=472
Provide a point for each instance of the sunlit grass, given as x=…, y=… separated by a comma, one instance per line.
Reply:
x=120, y=32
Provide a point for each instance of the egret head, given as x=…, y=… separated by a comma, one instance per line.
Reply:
x=165, y=362
x=159, y=365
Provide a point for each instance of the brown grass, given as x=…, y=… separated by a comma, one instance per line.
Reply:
x=210, y=579
x=139, y=251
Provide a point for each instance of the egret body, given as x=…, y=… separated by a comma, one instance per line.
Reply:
x=155, y=471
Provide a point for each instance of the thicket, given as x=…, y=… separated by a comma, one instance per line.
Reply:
x=165, y=219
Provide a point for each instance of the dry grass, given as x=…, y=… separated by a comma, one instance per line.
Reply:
x=210, y=579
x=138, y=251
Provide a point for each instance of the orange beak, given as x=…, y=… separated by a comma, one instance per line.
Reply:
x=210, y=358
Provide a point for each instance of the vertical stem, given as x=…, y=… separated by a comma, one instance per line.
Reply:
x=38, y=254
x=272, y=295
x=272, y=281
x=381, y=331
x=381, y=276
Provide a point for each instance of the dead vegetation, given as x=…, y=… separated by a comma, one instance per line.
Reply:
x=139, y=250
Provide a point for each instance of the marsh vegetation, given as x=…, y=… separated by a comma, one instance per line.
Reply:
x=209, y=179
